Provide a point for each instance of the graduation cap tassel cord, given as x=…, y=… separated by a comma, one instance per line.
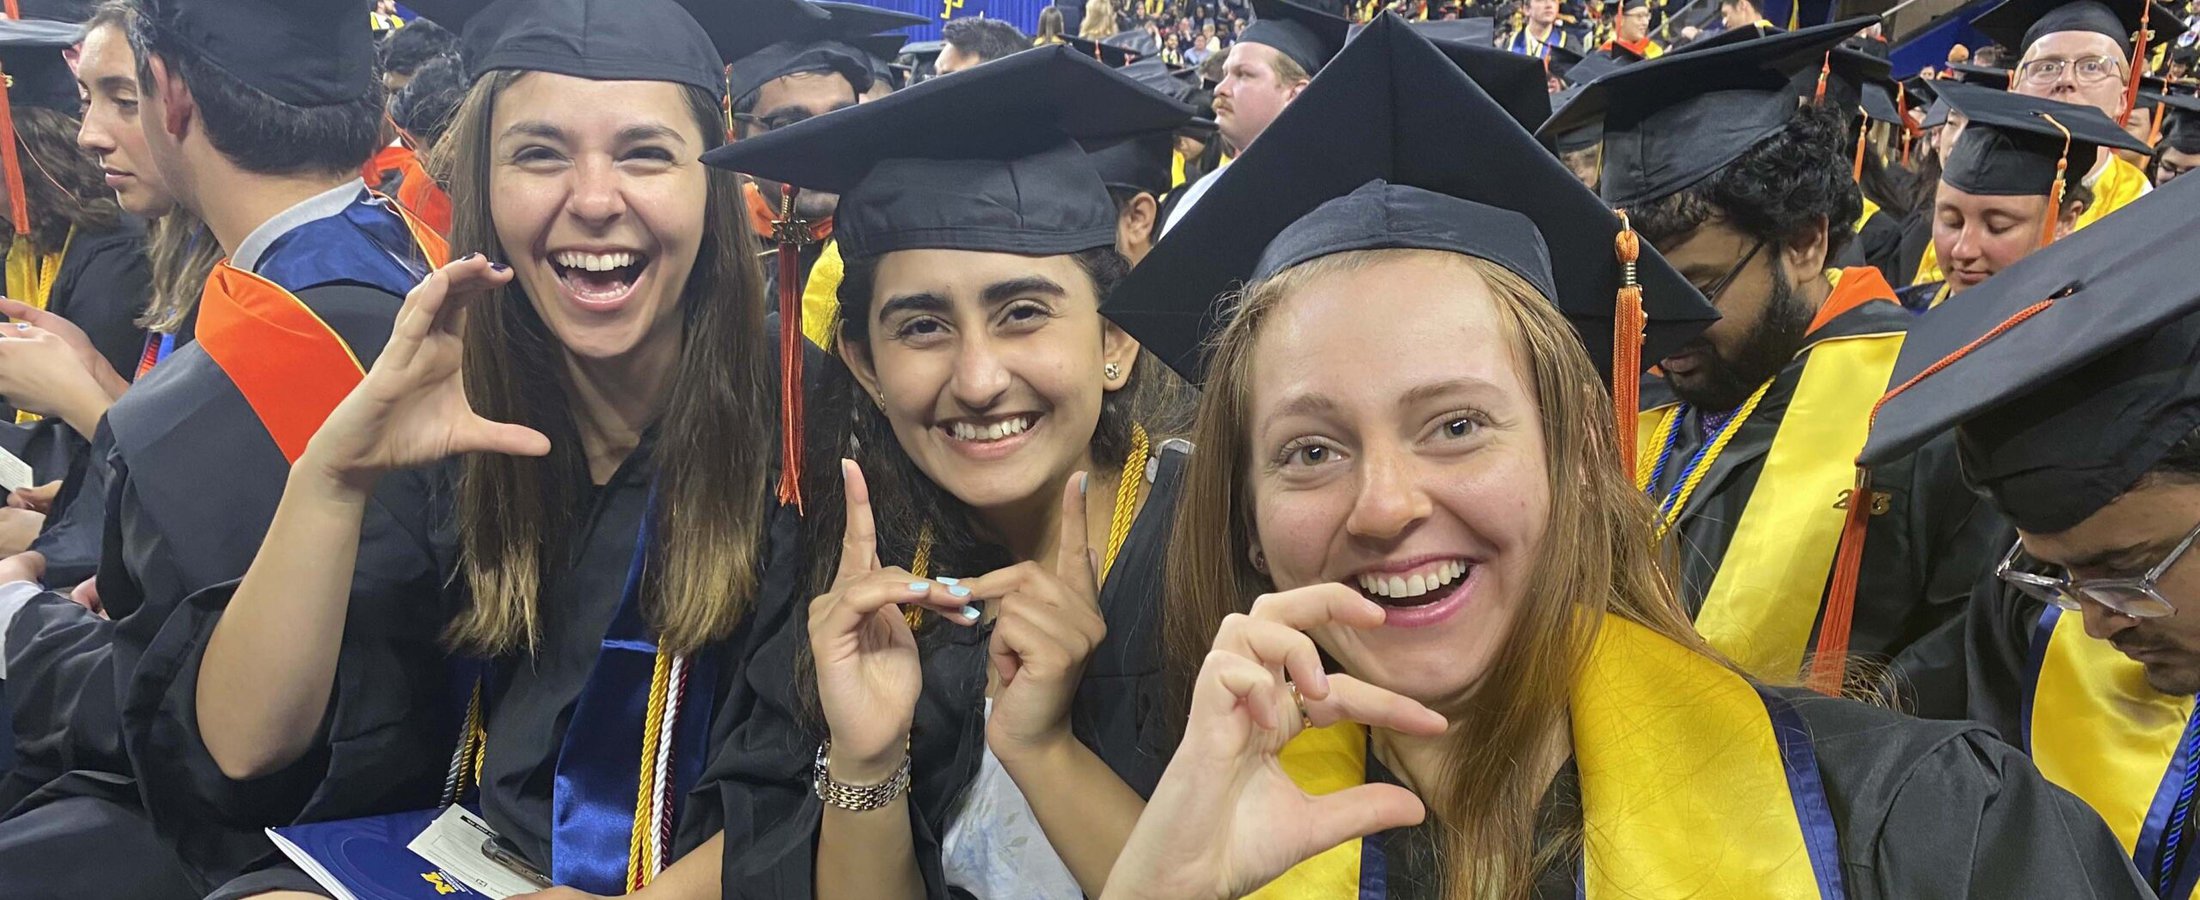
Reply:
x=2055, y=191
x=1863, y=134
x=2138, y=62
x=1829, y=665
x=1825, y=71
x=2154, y=128
x=15, y=9
x=11, y=161
x=1628, y=323
x=792, y=236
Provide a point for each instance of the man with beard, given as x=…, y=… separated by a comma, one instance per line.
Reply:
x=2079, y=420
x=1747, y=440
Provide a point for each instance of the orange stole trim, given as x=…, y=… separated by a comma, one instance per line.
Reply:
x=433, y=247
x=1856, y=286
x=291, y=367
x=417, y=191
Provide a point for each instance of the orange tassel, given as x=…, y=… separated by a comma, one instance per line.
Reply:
x=792, y=235
x=1829, y=667
x=1863, y=131
x=1628, y=322
x=1824, y=71
x=2055, y=191
x=11, y=160
x=15, y=9
x=2138, y=62
x=2154, y=128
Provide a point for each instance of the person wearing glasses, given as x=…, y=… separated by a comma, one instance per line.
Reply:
x=2010, y=184
x=2083, y=52
x=1746, y=442
x=2079, y=420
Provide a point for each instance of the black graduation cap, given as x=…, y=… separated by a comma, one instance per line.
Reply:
x=1136, y=41
x=2181, y=127
x=1878, y=103
x=600, y=40
x=1307, y=35
x=1143, y=162
x=1478, y=32
x=1561, y=60
x=2091, y=372
x=2017, y=23
x=2012, y=145
x=308, y=53
x=1580, y=137
x=71, y=11
x=1180, y=83
x=1111, y=55
x=1402, y=181
x=845, y=40
x=37, y=76
x=985, y=160
x=1849, y=72
x=1984, y=76
x=1673, y=121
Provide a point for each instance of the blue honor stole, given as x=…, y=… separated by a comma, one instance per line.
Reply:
x=633, y=747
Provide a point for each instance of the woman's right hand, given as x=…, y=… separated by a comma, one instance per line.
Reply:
x=411, y=408
x=1226, y=818
x=868, y=672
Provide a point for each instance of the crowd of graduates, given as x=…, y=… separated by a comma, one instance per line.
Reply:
x=720, y=448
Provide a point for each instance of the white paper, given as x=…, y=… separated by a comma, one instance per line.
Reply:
x=15, y=474
x=453, y=843
x=312, y=867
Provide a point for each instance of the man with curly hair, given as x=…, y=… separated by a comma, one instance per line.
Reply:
x=1725, y=161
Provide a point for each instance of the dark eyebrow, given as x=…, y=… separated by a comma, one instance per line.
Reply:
x=912, y=303
x=2130, y=557
x=635, y=134
x=1001, y=292
x=543, y=130
x=114, y=83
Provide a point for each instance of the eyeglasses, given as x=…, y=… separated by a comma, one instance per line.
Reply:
x=2138, y=597
x=1719, y=287
x=2091, y=70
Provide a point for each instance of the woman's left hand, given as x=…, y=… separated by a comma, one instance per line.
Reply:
x=1048, y=625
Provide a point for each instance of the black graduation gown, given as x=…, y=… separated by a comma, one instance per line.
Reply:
x=1880, y=241
x=1920, y=558
x=529, y=705
x=1925, y=810
x=103, y=285
x=766, y=770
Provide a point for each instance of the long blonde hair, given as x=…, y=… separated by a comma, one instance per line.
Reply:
x=1099, y=21
x=1596, y=556
x=714, y=468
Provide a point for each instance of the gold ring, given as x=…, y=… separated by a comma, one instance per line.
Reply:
x=1305, y=721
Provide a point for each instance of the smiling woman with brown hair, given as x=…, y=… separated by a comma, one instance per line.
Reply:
x=1416, y=618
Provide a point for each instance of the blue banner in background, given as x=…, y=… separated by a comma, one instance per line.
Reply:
x=1024, y=14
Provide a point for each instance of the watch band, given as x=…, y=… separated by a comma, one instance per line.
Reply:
x=854, y=797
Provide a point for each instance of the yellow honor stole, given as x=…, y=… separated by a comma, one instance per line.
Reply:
x=1694, y=783
x=1763, y=604
x=2120, y=184
x=31, y=275
x=2097, y=729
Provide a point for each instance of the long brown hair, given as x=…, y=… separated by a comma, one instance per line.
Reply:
x=182, y=252
x=1595, y=557
x=62, y=183
x=714, y=468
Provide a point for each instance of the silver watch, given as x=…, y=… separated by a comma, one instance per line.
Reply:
x=853, y=797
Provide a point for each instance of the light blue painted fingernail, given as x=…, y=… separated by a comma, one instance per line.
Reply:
x=948, y=581
x=972, y=613
x=959, y=591
x=919, y=587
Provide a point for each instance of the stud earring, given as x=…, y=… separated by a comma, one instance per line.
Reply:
x=1112, y=371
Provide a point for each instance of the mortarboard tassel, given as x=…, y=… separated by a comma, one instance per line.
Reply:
x=792, y=236
x=1825, y=71
x=2055, y=191
x=1863, y=132
x=15, y=9
x=2154, y=128
x=1627, y=329
x=11, y=159
x=2138, y=62
x=1829, y=667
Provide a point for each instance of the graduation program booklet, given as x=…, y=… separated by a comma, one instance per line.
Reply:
x=421, y=854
